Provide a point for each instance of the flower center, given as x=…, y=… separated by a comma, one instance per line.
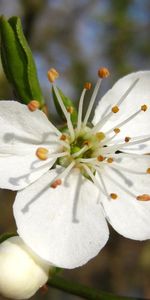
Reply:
x=88, y=148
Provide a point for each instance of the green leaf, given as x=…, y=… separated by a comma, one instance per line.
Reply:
x=18, y=62
x=68, y=104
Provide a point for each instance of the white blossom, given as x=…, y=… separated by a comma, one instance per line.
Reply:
x=22, y=271
x=98, y=173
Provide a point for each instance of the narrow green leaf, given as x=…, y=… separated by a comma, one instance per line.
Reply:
x=68, y=104
x=18, y=62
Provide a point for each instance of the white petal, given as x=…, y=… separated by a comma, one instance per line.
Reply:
x=22, y=272
x=22, y=132
x=129, y=216
x=140, y=95
x=64, y=226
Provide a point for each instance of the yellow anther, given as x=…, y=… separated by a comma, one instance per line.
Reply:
x=148, y=171
x=63, y=137
x=33, y=105
x=42, y=153
x=100, y=136
x=144, y=107
x=87, y=85
x=70, y=109
x=56, y=183
x=52, y=74
x=100, y=158
x=127, y=139
x=116, y=130
x=110, y=160
x=115, y=109
x=103, y=72
x=113, y=196
x=144, y=197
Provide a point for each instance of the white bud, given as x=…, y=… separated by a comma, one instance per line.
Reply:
x=22, y=273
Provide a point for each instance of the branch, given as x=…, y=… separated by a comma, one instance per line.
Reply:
x=84, y=291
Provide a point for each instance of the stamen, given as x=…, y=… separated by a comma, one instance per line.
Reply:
x=52, y=75
x=144, y=197
x=87, y=85
x=70, y=109
x=148, y=171
x=103, y=183
x=81, y=151
x=115, y=109
x=56, y=183
x=42, y=153
x=144, y=107
x=93, y=98
x=80, y=109
x=127, y=139
x=88, y=171
x=100, y=158
x=33, y=105
x=55, y=129
x=116, y=130
x=103, y=73
x=57, y=155
x=120, y=146
x=110, y=160
x=101, y=123
x=63, y=137
x=125, y=121
x=113, y=196
x=100, y=135
x=67, y=115
x=64, y=173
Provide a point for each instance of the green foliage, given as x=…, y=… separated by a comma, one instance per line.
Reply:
x=68, y=104
x=18, y=62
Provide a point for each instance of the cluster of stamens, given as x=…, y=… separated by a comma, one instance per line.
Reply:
x=85, y=148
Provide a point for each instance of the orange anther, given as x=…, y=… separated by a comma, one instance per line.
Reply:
x=144, y=107
x=116, y=130
x=127, y=139
x=63, y=137
x=42, y=153
x=100, y=158
x=87, y=85
x=56, y=183
x=144, y=197
x=52, y=74
x=110, y=160
x=33, y=105
x=148, y=171
x=113, y=196
x=103, y=72
x=115, y=109
x=70, y=109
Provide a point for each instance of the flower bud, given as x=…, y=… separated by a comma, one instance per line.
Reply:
x=22, y=272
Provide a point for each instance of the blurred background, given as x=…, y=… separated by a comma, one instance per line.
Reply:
x=77, y=37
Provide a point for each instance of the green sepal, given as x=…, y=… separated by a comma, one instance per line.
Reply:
x=18, y=62
x=6, y=236
x=68, y=103
x=55, y=271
